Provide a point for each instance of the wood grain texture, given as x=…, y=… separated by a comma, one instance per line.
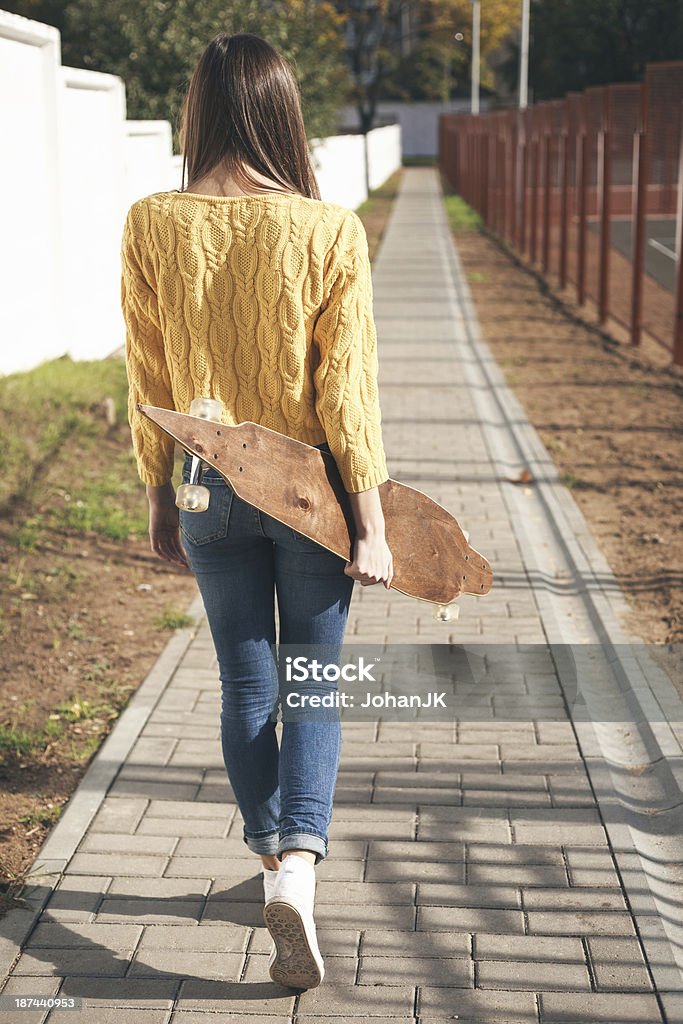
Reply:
x=301, y=487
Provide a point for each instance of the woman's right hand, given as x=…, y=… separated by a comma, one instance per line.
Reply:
x=372, y=560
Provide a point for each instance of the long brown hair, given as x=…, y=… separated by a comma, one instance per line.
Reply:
x=243, y=105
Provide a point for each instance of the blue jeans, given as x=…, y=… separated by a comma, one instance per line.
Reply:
x=242, y=559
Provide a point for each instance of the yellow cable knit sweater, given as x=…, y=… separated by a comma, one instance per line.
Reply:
x=264, y=302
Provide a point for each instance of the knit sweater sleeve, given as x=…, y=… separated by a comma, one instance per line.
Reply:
x=146, y=367
x=345, y=378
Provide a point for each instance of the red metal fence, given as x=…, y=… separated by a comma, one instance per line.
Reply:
x=590, y=190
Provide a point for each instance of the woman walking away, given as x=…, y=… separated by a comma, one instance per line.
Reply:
x=246, y=287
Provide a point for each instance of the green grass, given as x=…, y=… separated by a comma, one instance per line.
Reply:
x=387, y=190
x=171, y=618
x=461, y=216
x=54, y=404
x=419, y=161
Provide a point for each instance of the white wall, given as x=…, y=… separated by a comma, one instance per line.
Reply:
x=31, y=326
x=93, y=112
x=418, y=121
x=384, y=153
x=339, y=165
x=75, y=165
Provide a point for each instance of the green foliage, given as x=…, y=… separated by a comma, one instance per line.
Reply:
x=578, y=43
x=154, y=45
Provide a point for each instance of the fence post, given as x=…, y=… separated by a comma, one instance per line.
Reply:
x=547, y=153
x=678, y=322
x=533, y=185
x=484, y=150
x=564, y=203
x=638, y=257
x=604, y=181
x=582, y=171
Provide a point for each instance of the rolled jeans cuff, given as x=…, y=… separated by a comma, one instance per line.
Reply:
x=265, y=843
x=303, y=841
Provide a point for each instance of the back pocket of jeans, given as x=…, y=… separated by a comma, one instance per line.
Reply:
x=203, y=527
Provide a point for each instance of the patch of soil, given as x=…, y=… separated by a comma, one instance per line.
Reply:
x=609, y=414
x=80, y=617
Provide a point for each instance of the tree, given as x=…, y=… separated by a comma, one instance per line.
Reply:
x=154, y=46
x=420, y=57
x=578, y=43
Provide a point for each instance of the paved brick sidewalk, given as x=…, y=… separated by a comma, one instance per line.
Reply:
x=470, y=877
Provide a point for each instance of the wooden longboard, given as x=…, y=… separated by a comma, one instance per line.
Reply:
x=300, y=486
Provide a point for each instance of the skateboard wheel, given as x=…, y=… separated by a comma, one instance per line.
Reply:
x=192, y=497
x=446, y=612
x=206, y=408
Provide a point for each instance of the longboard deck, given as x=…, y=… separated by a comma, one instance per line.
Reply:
x=300, y=486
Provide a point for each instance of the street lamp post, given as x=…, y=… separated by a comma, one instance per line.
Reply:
x=476, y=27
x=524, y=58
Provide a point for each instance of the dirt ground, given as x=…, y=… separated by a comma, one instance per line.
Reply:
x=84, y=619
x=609, y=414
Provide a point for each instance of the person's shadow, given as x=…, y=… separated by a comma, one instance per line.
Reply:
x=91, y=969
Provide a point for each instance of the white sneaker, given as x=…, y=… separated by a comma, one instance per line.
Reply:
x=269, y=880
x=295, y=960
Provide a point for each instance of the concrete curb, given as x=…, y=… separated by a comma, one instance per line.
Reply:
x=87, y=798
x=638, y=788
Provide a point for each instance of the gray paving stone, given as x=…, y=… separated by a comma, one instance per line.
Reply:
x=118, y=814
x=414, y=871
x=506, y=798
x=110, y=842
x=51, y=934
x=76, y=897
x=574, y=898
x=520, y=853
x=199, y=1017
x=112, y=1015
x=251, y=1002
x=100, y=963
x=390, y=893
x=478, y=1005
x=530, y=974
x=598, y=1008
x=413, y=795
x=581, y=922
x=358, y=1001
x=18, y=987
x=466, y=752
x=196, y=938
x=452, y=894
x=142, y=993
x=437, y=971
x=160, y=888
x=179, y=827
x=330, y=915
x=542, y=875
x=591, y=866
x=618, y=964
x=187, y=963
x=118, y=864
x=149, y=911
x=379, y=943
x=469, y=919
x=416, y=851
x=539, y=948
x=157, y=790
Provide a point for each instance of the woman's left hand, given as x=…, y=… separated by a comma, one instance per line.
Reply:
x=164, y=525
